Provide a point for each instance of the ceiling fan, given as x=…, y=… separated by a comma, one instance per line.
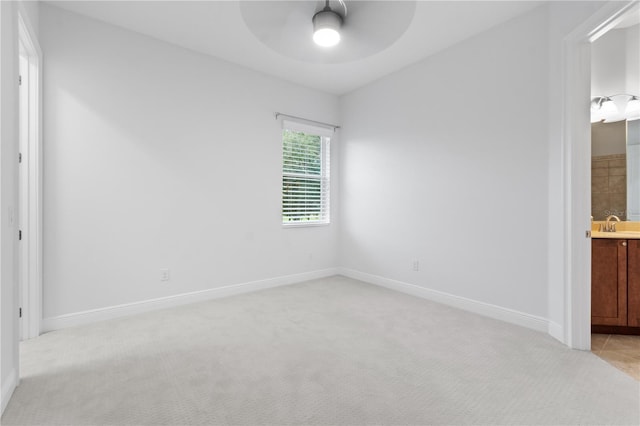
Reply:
x=320, y=32
x=327, y=24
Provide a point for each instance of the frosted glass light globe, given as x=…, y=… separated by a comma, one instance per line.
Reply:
x=326, y=37
x=633, y=105
x=609, y=108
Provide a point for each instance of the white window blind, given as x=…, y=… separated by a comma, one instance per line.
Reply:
x=305, y=174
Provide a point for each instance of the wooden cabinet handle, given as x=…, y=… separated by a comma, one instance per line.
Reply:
x=624, y=243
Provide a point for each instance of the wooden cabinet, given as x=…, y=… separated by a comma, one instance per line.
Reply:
x=609, y=282
x=633, y=283
x=615, y=285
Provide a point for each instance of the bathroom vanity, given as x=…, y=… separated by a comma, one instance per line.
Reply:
x=615, y=282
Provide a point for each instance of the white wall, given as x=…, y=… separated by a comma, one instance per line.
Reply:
x=158, y=157
x=8, y=200
x=446, y=162
x=615, y=62
x=609, y=64
x=633, y=59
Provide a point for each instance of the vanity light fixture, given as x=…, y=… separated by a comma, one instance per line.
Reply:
x=615, y=108
x=327, y=24
x=633, y=106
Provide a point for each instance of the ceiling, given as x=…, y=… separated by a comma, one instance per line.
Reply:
x=227, y=30
x=631, y=18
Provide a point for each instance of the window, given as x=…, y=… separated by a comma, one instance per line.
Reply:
x=305, y=175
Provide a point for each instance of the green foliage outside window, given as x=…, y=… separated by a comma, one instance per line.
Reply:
x=303, y=180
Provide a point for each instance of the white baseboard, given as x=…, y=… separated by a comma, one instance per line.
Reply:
x=110, y=312
x=556, y=331
x=481, y=308
x=8, y=386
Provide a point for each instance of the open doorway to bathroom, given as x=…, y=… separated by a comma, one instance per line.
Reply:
x=615, y=194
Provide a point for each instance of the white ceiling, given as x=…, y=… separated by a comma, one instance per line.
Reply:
x=217, y=28
x=630, y=19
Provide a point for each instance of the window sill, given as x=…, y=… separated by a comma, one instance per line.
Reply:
x=305, y=224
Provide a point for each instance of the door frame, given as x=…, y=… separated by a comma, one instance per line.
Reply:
x=30, y=250
x=576, y=139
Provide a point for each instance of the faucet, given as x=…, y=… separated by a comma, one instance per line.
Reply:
x=610, y=226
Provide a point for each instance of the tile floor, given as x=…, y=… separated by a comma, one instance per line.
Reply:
x=623, y=352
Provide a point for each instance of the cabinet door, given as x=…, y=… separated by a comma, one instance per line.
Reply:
x=608, y=282
x=633, y=282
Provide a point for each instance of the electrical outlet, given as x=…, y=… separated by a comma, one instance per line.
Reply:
x=416, y=265
x=164, y=275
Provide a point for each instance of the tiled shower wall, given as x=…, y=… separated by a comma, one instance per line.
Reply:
x=609, y=186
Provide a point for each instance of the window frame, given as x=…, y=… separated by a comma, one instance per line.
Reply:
x=324, y=178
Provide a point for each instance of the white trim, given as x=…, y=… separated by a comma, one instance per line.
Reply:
x=470, y=305
x=300, y=125
x=126, y=309
x=609, y=17
x=32, y=229
x=286, y=225
x=576, y=177
x=8, y=386
x=556, y=331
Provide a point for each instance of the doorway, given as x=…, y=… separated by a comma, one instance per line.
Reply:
x=29, y=181
x=615, y=192
x=576, y=174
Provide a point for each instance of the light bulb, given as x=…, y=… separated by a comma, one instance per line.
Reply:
x=326, y=27
x=326, y=37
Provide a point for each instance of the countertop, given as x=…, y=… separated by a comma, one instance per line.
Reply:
x=624, y=230
x=621, y=235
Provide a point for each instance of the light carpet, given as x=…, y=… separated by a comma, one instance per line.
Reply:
x=333, y=351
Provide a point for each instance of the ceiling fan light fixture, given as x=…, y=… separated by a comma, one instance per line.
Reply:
x=326, y=27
